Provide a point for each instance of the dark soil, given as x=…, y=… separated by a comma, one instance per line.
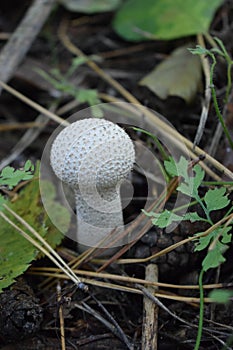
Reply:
x=127, y=63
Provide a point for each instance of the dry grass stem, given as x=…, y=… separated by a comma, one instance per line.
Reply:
x=122, y=288
x=61, y=318
x=127, y=279
x=34, y=105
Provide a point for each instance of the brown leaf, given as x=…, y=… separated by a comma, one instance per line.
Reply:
x=178, y=75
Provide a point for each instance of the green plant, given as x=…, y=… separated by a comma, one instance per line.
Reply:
x=214, y=199
x=216, y=242
x=220, y=50
x=222, y=296
x=61, y=82
x=10, y=177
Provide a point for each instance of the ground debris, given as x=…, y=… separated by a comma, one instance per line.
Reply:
x=20, y=312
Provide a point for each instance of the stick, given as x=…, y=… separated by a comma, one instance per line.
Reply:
x=150, y=312
x=62, y=328
x=21, y=40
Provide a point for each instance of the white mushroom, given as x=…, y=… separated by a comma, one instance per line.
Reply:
x=93, y=156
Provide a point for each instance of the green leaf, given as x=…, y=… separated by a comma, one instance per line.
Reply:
x=150, y=213
x=198, y=177
x=28, y=166
x=186, y=188
x=87, y=95
x=192, y=183
x=226, y=236
x=165, y=218
x=178, y=75
x=203, y=242
x=78, y=61
x=164, y=19
x=221, y=296
x=177, y=168
x=171, y=167
x=11, y=177
x=199, y=50
x=214, y=256
x=216, y=199
x=223, y=232
x=90, y=6
x=193, y=217
x=16, y=253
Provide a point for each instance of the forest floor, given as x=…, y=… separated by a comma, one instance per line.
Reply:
x=109, y=316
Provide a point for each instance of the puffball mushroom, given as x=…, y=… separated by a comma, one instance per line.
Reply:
x=93, y=156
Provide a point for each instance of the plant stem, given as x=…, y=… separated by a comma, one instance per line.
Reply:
x=201, y=311
x=229, y=65
x=217, y=183
x=200, y=201
x=156, y=140
x=219, y=115
x=229, y=82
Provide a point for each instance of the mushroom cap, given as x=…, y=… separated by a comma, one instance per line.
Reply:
x=92, y=152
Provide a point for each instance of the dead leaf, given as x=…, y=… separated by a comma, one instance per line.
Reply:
x=178, y=75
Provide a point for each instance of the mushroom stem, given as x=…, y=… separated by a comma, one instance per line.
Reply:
x=94, y=225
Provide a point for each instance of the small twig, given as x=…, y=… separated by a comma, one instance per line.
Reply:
x=189, y=300
x=62, y=329
x=150, y=313
x=225, y=346
x=26, y=139
x=18, y=126
x=127, y=279
x=162, y=306
x=85, y=307
x=34, y=105
x=23, y=37
x=118, y=328
x=62, y=33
